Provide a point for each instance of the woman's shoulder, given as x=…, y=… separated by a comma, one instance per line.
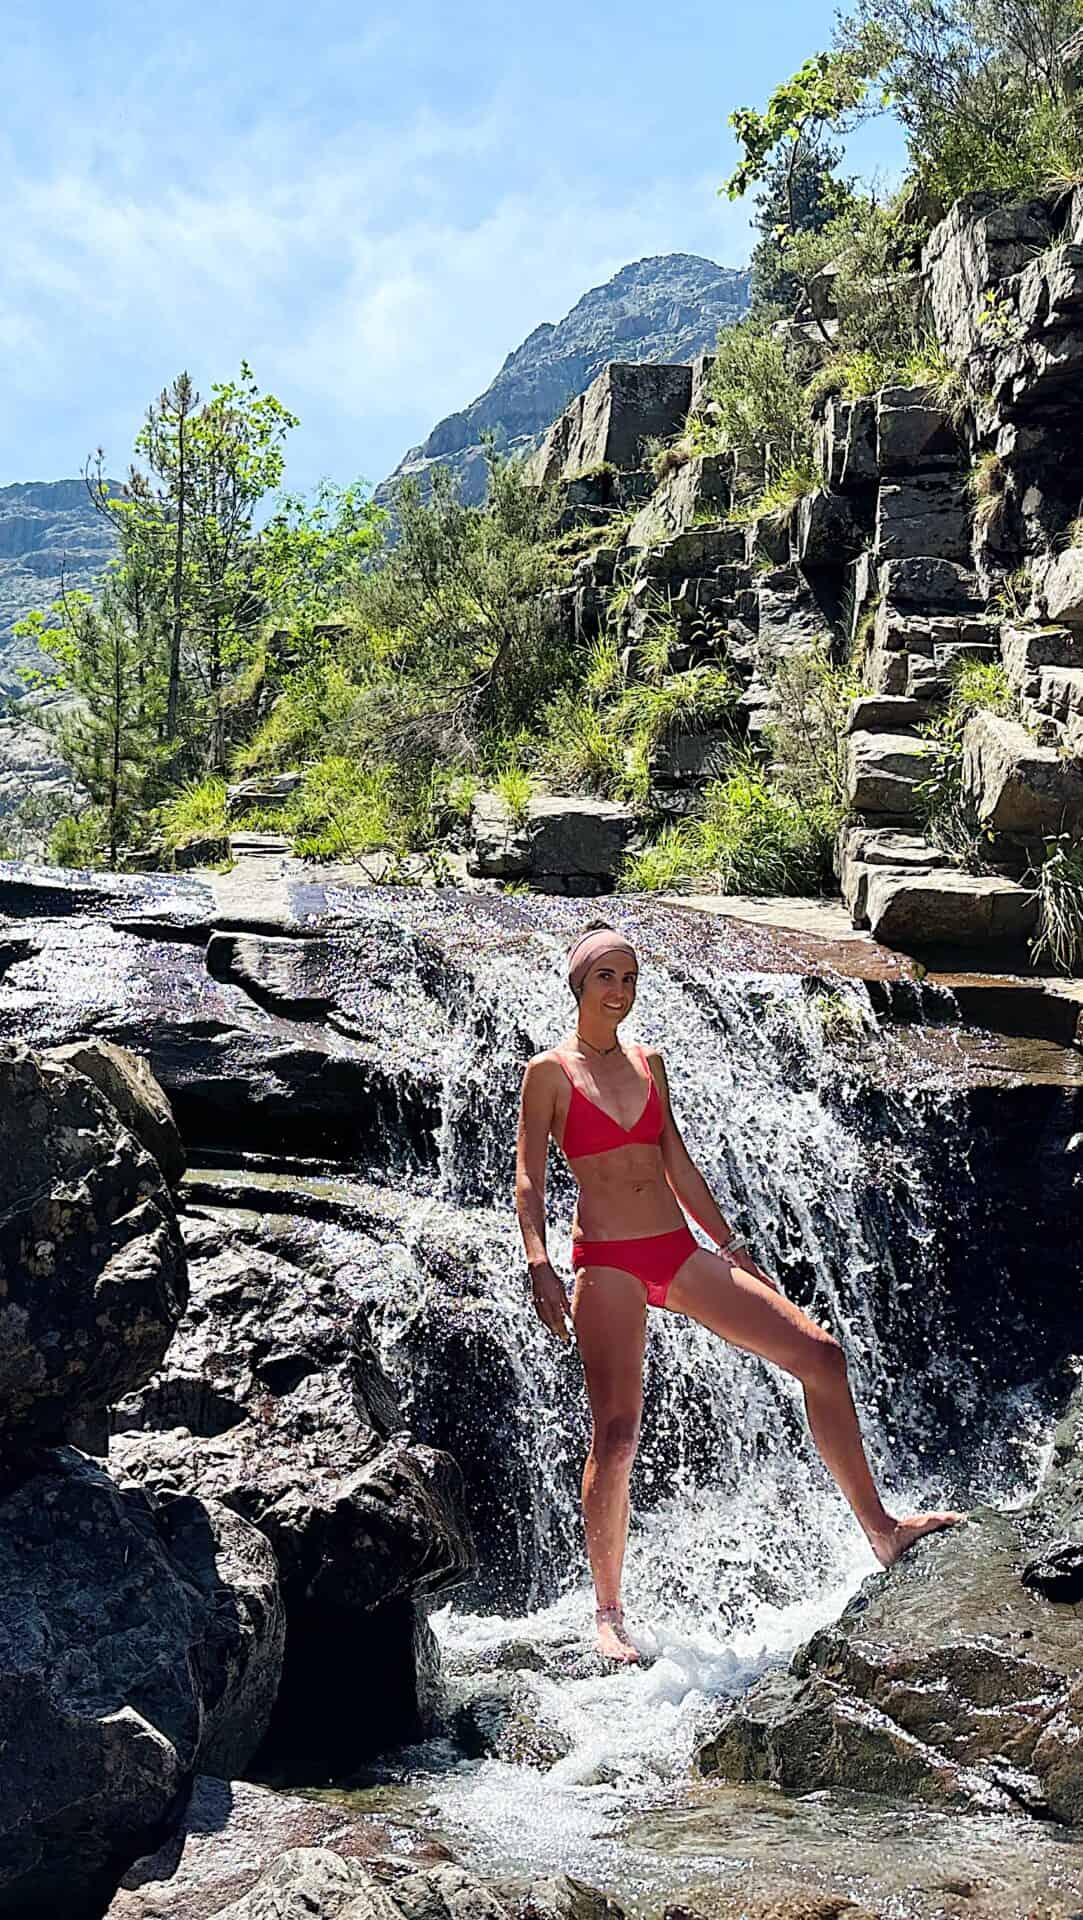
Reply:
x=543, y=1065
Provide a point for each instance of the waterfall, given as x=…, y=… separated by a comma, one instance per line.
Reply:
x=839, y=1168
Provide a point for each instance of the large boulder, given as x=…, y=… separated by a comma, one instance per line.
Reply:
x=1017, y=786
x=883, y=771
x=93, y=1265
x=129, y=1086
x=1060, y=585
x=697, y=489
x=924, y=517
x=846, y=445
x=946, y=1677
x=808, y=1735
x=314, y=1883
x=571, y=844
x=230, y=1832
x=980, y=244
x=273, y=1402
x=138, y=1640
x=608, y=424
x=941, y=907
x=913, y=435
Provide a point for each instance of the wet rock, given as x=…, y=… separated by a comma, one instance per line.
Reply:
x=883, y=771
x=303, y=1436
x=314, y=1883
x=230, y=1056
x=91, y=1254
x=129, y=1086
x=805, y=1735
x=945, y=908
x=1057, y=1572
x=1015, y=785
x=562, y=845
x=229, y=1833
x=503, y=1721
x=134, y=1639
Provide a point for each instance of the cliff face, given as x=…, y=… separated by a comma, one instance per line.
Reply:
x=668, y=308
x=49, y=534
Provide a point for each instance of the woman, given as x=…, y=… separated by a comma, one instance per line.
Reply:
x=608, y=1109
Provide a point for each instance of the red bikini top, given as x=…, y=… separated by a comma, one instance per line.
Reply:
x=589, y=1129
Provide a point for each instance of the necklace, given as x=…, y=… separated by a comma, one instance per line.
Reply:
x=589, y=1043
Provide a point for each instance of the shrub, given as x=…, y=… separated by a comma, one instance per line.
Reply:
x=578, y=749
x=987, y=481
x=515, y=789
x=1059, y=890
x=758, y=400
x=78, y=840
x=197, y=812
x=946, y=814
x=779, y=497
x=750, y=839
x=341, y=811
x=809, y=736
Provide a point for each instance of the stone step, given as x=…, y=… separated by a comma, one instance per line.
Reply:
x=944, y=908
x=864, y=850
x=883, y=770
x=1025, y=650
x=885, y=713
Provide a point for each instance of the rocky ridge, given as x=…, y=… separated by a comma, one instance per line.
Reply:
x=666, y=308
x=50, y=534
x=936, y=534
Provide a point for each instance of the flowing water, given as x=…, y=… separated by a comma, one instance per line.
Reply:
x=835, y=1164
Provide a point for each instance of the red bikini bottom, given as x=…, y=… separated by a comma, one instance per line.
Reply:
x=653, y=1260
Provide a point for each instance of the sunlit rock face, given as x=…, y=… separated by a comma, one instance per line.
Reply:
x=667, y=308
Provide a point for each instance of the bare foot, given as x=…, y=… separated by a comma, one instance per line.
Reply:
x=613, y=1642
x=901, y=1535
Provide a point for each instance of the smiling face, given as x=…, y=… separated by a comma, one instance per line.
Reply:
x=609, y=990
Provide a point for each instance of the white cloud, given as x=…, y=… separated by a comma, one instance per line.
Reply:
x=369, y=278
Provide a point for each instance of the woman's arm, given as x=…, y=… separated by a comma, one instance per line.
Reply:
x=687, y=1182
x=536, y=1109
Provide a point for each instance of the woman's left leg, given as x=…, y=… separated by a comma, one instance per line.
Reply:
x=743, y=1309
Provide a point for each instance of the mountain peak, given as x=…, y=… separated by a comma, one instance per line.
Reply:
x=667, y=306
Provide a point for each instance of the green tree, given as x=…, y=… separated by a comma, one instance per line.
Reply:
x=233, y=460
x=979, y=86
x=312, y=550
x=801, y=193
x=107, y=733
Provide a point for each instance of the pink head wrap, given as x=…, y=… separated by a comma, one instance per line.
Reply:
x=591, y=948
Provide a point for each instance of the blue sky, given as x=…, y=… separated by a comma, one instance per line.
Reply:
x=372, y=207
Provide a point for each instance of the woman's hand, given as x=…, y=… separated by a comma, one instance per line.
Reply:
x=550, y=1301
x=738, y=1256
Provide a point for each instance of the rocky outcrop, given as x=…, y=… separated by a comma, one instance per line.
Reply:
x=611, y=422
x=50, y=535
x=90, y=1251
x=272, y=1402
x=951, y=1676
x=135, y=1096
x=319, y=1884
x=136, y=1642
x=571, y=844
x=666, y=308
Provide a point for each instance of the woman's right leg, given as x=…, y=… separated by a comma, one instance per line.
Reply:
x=609, y=1313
